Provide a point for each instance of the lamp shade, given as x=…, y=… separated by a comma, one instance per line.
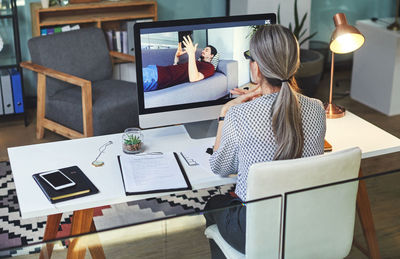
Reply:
x=345, y=38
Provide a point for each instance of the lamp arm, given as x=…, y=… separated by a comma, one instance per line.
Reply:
x=331, y=84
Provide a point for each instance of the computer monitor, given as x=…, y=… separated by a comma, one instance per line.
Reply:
x=167, y=100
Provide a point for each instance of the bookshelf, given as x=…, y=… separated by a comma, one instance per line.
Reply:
x=107, y=15
x=11, y=83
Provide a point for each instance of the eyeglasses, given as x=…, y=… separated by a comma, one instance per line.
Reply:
x=247, y=55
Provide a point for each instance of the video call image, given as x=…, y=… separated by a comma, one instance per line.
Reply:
x=169, y=80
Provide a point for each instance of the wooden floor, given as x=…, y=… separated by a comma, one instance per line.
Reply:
x=188, y=241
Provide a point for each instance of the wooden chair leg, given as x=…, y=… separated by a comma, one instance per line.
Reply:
x=52, y=224
x=96, y=250
x=366, y=219
x=41, y=105
x=81, y=223
x=87, y=113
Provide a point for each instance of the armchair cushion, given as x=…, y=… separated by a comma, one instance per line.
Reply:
x=120, y=104
x=73, y=53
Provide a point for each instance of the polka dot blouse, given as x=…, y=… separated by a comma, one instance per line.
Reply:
x=247, y=136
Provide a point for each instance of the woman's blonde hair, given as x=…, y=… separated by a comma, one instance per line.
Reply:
x=276, y=51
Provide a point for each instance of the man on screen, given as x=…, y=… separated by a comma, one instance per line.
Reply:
x=160, y=77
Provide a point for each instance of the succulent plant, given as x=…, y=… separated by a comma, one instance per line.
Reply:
x=132, y=140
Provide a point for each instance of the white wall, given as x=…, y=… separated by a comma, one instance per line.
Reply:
x=240, y=7
x=231, y=43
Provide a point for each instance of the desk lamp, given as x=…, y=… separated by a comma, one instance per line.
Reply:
x=345, y=39
x=395, y=26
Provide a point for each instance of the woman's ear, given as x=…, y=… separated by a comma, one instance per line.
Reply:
x=258, y=71
x=255, y=72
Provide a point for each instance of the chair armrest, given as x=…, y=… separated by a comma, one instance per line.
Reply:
x=230, y=69
x=55, y=74
x=122, y=56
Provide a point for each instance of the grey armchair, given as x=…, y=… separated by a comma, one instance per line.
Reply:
x=76, y=95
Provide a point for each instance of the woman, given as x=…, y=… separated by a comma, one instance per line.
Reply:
x=272, y=122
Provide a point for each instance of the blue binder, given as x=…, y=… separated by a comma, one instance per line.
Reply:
x=17, y=90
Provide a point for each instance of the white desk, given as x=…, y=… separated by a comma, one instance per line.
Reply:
x=351, y=130
x=376, y=68
x=27, y=160
x=342, y=133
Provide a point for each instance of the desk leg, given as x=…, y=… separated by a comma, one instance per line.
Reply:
x=81, y=222
x=367, y=222
x=50, y=233
x=96, y=250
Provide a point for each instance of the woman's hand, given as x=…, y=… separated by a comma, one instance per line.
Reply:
x=240, y=91
x=189, y=47
x=244, y=97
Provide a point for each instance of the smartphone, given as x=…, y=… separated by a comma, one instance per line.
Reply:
x=57, y=179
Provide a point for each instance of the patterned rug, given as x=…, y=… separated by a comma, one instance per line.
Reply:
x=17, y=232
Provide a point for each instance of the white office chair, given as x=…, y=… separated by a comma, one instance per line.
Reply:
x=319, y=222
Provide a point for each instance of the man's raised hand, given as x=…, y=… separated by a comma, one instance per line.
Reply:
x=179, y=51
x=188, y=44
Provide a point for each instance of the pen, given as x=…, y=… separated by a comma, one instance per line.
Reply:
x=149, y=153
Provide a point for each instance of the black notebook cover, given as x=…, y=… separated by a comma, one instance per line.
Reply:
x=83, y=186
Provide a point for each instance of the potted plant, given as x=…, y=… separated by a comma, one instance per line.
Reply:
x=132, y=141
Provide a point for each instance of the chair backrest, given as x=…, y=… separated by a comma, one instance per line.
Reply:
x=319, y=222
x=83, y=53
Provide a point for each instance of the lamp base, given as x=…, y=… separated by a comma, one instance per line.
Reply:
x=333, y=112
x=394, y=26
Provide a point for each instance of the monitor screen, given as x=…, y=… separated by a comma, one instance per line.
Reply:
x=186, y=68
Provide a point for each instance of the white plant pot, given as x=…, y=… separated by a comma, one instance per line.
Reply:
x=45, y=3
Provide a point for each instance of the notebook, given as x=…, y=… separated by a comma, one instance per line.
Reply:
x=327, y=146
x=83, y=186
x=151, y=173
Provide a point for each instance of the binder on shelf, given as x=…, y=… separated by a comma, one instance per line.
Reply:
x=130, y=36
x=131, y=41
x=114, y=40
x=83, y=186
x=17, y=90
x=7, y=92
x=118, y=41
x=150, y=173
x=109, y=37
x=124, y=39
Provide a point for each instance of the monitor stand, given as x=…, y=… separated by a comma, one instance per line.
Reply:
x=202, y=129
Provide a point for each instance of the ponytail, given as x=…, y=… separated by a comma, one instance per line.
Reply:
x=287, y=124
x=276, y=51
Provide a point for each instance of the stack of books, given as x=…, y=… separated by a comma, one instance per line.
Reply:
x=123, y=40
x=58, y=29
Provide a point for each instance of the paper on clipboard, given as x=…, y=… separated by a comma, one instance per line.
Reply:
x=152, y=173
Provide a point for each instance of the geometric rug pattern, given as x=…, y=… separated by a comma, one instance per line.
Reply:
x=16, y=232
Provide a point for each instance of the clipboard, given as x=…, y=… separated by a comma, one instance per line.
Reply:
x=128, y=179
